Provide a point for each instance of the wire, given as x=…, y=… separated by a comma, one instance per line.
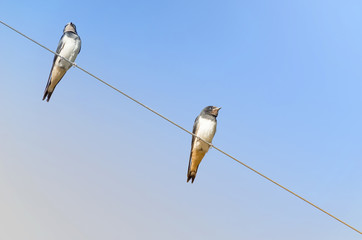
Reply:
x=177, y=125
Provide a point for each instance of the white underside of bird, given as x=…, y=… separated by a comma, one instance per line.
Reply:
x=206, y=130
x=69, y=51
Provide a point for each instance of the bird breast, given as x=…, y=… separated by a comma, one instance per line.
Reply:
x=69, y=51
x=206, y=130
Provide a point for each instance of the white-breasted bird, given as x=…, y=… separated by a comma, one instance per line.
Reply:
x=205, y=128
x=69, y=48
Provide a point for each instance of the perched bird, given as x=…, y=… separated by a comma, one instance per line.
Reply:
x=205, y=128
x=68, y=47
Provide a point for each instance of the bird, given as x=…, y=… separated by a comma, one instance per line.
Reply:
x=69, y=47
x=205, y=128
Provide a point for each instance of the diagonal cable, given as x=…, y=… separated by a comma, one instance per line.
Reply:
x=177, y=125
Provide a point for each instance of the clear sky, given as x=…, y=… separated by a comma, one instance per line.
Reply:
x=91, y=164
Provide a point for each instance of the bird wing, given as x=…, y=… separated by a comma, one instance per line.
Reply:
x=80, y=44
x=59, y=48
x=194, y=131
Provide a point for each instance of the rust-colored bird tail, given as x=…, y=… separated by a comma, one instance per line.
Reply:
x=194, y=162
x=191, y=176
x=47, y=95
x=55, y=76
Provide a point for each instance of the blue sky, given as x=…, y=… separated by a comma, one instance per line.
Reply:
x=91, y=164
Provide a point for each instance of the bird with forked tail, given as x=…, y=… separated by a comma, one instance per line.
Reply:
x=205, y=128
x=69, y=47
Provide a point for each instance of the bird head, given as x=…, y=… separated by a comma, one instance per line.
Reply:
x=212, y=110
x=70, y=27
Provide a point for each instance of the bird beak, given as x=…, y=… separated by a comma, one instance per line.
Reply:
x=215, y=111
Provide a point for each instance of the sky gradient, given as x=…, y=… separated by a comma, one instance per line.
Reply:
x=91, y=164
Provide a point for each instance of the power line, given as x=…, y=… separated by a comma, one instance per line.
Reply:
x=177, y=125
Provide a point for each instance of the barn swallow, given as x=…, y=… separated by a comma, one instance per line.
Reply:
x=69, y=48
x=205, y=128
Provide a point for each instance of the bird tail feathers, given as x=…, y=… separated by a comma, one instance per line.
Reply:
x=191, y=176
x=47, y=94
x=55, y=76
